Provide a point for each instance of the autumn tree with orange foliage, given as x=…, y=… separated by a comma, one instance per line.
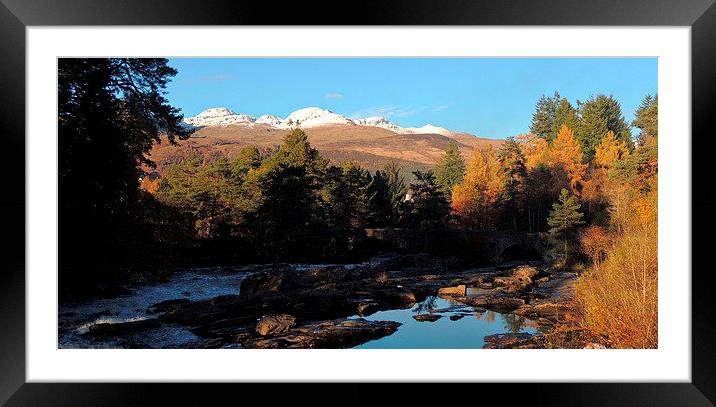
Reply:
x=595, y=243
x=474, y=199
x=566, y=154
x=597, y=188
x=534, y=149
x=609, y=151
x=618, y=297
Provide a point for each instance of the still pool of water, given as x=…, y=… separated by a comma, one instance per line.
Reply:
x=465, y=333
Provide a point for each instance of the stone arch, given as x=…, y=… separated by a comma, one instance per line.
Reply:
x=521, y=251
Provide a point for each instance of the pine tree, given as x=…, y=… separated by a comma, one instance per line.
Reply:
x=514, y=172
x=396, y=189
x=249, y=157
x=289, y=210
x=297, y=151
x=647, y=118
x=346, y=202
x=111, y=111
x=428, y=208
x=544, y=116
x=451, y=169
x=565, y=115
x=564, y=221
x=379, y=202
x=597, y=117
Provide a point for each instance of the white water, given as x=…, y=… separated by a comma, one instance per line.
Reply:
x=75, y=318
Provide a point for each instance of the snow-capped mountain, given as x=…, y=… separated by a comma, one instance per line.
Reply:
x=428, y=129
x=219, y=116
x=379, y=121
x=271, y=121
x=315, y=116
x=306, y=118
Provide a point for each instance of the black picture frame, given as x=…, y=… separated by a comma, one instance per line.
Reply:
x=16, y=15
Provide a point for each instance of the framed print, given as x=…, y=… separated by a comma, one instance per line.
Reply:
x=419, y=194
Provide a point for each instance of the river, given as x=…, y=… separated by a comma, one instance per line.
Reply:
x=466, y=329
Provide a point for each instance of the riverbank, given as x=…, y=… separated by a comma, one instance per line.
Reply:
x=328, y=306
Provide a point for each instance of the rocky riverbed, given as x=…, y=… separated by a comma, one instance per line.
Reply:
x=331, y=306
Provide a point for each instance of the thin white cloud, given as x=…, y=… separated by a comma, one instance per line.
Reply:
x=439, y=108
x=333, y=95
x=385, y=111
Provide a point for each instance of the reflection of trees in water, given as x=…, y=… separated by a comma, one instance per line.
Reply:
x=489, y=316
x=426, y=306
x=513, y=323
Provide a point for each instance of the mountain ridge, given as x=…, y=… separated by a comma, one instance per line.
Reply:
x=306, y=117
x=370, y=146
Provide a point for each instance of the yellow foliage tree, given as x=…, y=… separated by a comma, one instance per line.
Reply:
x=533, y=148
x=618, y=298
x=474, y=199
x=609, y=151
x=566, y=154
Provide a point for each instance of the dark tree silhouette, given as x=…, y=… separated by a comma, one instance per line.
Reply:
x=110, y=112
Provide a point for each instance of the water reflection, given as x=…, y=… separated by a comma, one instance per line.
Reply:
x=426, y=306
x=466, y=331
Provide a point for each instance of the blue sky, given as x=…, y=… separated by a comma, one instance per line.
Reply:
x=488, y=97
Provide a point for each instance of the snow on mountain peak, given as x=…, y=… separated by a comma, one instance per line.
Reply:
x=271, y=121
x=306, y=117
x=216, y=112
x=219, y=116
x=428, y=129
x=315, y=116
x=378, y=121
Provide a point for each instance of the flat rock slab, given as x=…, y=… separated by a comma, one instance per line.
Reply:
x=427, y=317
x=495, y=301
x=457, y=290
x=332, y=334
x=511, y=341
x=107, y=330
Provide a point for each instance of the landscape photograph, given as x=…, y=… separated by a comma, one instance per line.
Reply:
x=357, y=203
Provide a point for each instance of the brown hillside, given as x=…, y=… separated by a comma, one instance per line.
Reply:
x=372, y=147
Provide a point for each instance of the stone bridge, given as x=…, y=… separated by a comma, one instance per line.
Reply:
x=492, y=247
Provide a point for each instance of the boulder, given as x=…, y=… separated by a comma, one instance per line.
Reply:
x=261, y=283
x=511, y=284
x=395, y=295
x=368, y=308
x=525, y=272
x=168, y=305
x=450, y=291
x=456, y=317
x=274, y=324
